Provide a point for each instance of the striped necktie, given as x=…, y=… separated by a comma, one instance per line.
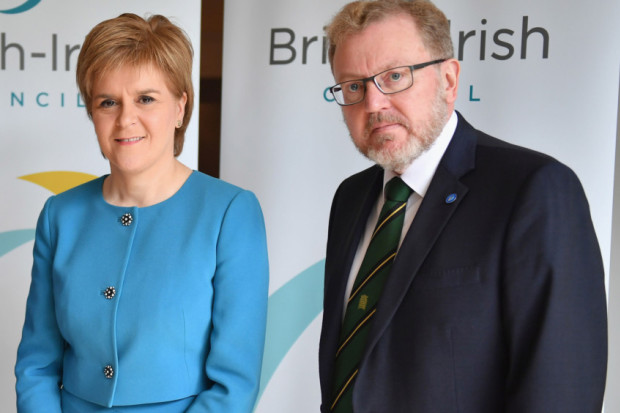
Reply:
x=366, y=291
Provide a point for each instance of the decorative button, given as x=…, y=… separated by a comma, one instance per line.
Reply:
x=108, y=372
x=126, y=219
x=109, y=293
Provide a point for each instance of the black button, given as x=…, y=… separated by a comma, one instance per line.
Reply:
x=109, y=293
x=108, y=372
x=126, y=219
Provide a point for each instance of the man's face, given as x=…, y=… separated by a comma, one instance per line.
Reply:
x=393, y=130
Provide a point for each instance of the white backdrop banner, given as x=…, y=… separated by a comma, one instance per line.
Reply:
x=539, y=74
x=47, y=143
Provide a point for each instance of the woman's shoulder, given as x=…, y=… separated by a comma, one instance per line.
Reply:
x=213, y=188
x=75, y=204
x=88, y=190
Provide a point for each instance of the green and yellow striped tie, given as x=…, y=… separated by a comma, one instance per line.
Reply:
x=366, y=291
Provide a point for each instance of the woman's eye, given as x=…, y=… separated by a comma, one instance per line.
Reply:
x=146, y=99
x=108, y=103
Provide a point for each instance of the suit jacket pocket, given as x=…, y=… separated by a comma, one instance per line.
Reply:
x=448, y=278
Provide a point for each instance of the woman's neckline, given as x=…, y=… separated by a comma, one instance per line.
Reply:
x=159, y=202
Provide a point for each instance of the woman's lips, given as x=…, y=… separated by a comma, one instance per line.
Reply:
x=129, y=140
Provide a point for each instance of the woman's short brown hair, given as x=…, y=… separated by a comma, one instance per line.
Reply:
x=131, y=40
x=432, y=24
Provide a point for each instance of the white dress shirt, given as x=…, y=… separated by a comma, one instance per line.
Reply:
x=418, y=176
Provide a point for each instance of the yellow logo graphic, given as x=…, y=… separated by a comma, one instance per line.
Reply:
x=55, y=181
x=363, y=302
x=58, y=181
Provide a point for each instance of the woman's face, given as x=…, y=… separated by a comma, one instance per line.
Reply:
x=135, y=115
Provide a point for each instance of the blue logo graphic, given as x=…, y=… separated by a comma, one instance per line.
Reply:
x=20, y=9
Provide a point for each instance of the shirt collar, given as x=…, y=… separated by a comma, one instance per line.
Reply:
x=419, y=174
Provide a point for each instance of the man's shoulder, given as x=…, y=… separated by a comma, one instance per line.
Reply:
x=500, y=163
x=516, y=162
x=366, y=174
x=500, y=151
x=364, y=178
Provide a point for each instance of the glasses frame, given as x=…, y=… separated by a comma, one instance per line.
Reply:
x=374, y=80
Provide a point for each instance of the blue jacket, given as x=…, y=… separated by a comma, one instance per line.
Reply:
x=131, y=306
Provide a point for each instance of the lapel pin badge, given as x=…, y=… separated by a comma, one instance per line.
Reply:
x=450, y=198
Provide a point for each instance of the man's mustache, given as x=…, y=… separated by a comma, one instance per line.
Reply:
x=381, y=117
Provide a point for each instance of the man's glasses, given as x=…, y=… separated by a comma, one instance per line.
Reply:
x=388, y=82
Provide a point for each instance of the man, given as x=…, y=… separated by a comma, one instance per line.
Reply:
x=495, y=299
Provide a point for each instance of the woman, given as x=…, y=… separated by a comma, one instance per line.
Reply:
x=149, y=285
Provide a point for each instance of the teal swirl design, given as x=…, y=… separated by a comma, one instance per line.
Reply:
x=290, y=310
x=29, y=4
x=12, y=239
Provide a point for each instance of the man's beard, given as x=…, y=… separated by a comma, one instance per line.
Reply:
x=420, y=137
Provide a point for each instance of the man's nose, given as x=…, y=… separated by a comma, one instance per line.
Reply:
x=375, y=100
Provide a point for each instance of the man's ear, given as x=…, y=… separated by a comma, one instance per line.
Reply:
x=450, y=70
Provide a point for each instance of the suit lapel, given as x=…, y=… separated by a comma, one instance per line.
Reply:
x=360, y=210
x=359, y=200
x=443, y=197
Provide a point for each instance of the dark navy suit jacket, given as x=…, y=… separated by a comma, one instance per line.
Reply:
x=495, y=302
